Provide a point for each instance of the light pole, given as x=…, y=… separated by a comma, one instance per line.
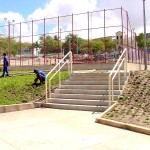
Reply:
x=60, y=44
x=13, y=27
x=145, y=47
x=61, y=49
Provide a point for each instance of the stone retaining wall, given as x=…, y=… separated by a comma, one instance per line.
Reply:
x=19, y=107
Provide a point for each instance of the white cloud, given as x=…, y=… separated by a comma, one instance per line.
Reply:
x=9, y=17
x=134, y=9
x=55, y=8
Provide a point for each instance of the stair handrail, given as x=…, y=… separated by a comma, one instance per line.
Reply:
x=116, y=70
x=69, y=61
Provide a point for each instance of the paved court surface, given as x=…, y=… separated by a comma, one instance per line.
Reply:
x=52, y=129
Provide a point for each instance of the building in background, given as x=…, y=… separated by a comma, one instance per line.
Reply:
x=118, y=40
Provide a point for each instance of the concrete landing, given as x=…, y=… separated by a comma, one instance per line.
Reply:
x=45, y=129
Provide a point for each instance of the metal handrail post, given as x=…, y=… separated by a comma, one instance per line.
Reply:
x=112, y=90
x=59, y=76
x=58, y=71
x=69, y=66
x=109, y=90
x=119, y=78
x=50, y=89
x=125, y=64
x=71, y=62
x=115, y=71
x=46, y=89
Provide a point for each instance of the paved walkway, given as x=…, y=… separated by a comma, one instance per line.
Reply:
x=52, y=129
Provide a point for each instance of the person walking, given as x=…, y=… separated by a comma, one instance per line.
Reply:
x=5, y=65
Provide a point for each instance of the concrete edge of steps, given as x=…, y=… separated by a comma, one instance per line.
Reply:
x=75, y=107
x=79, y=101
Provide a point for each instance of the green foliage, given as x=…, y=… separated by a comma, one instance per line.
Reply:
x=110, y=44
x=140, y=40
x=50, y=44
x=96, y=45
x=18, y=89
x=14, y=46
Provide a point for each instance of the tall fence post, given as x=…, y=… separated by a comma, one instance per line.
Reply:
x=32, y=46
x=88, y=37
x=127, y=36
x=104, y=36
x=44, y=44
x=72, y=40
x=20, y=46
x=9, y=42
x=58, y=41
x=122, y=29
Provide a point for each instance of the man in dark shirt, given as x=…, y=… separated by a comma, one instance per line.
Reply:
x=39, y=76
x=5, y=65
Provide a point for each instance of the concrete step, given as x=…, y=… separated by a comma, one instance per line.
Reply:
x=101, y=82
x=79, y=101
x=84, y=91
x=94, y=74
x=82, y=96
x=75, y=107
x=90, y=87
x=94, y=78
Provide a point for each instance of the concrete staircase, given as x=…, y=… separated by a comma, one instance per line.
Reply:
x=84, y=91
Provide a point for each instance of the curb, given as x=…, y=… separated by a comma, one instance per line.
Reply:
x=19, y=107
x=121, y=125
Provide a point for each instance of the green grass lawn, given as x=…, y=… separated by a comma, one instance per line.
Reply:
x=20, y=89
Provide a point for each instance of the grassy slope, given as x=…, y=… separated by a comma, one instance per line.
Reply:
x=134, y=105
x=18, y=89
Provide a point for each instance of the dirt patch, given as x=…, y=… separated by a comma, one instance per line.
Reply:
x=134, y=105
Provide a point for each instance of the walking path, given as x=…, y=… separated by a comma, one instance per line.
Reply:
x=45, y=129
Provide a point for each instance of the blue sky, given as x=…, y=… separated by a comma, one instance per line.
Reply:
x=24, y=7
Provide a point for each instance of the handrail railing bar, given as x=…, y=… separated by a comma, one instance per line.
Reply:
x=56, y=73
x=111, y=79
x=118, y=68
x=53, y=77
x=58, y=64
x=117, y=62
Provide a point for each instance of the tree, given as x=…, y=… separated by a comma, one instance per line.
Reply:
x=96, y=45
x=77, y=44
x=4, y=44
x=110, y=44
x=140, y=40
x=55, y=37
x=148, y=43
x=14, y=48
x=50, y=44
